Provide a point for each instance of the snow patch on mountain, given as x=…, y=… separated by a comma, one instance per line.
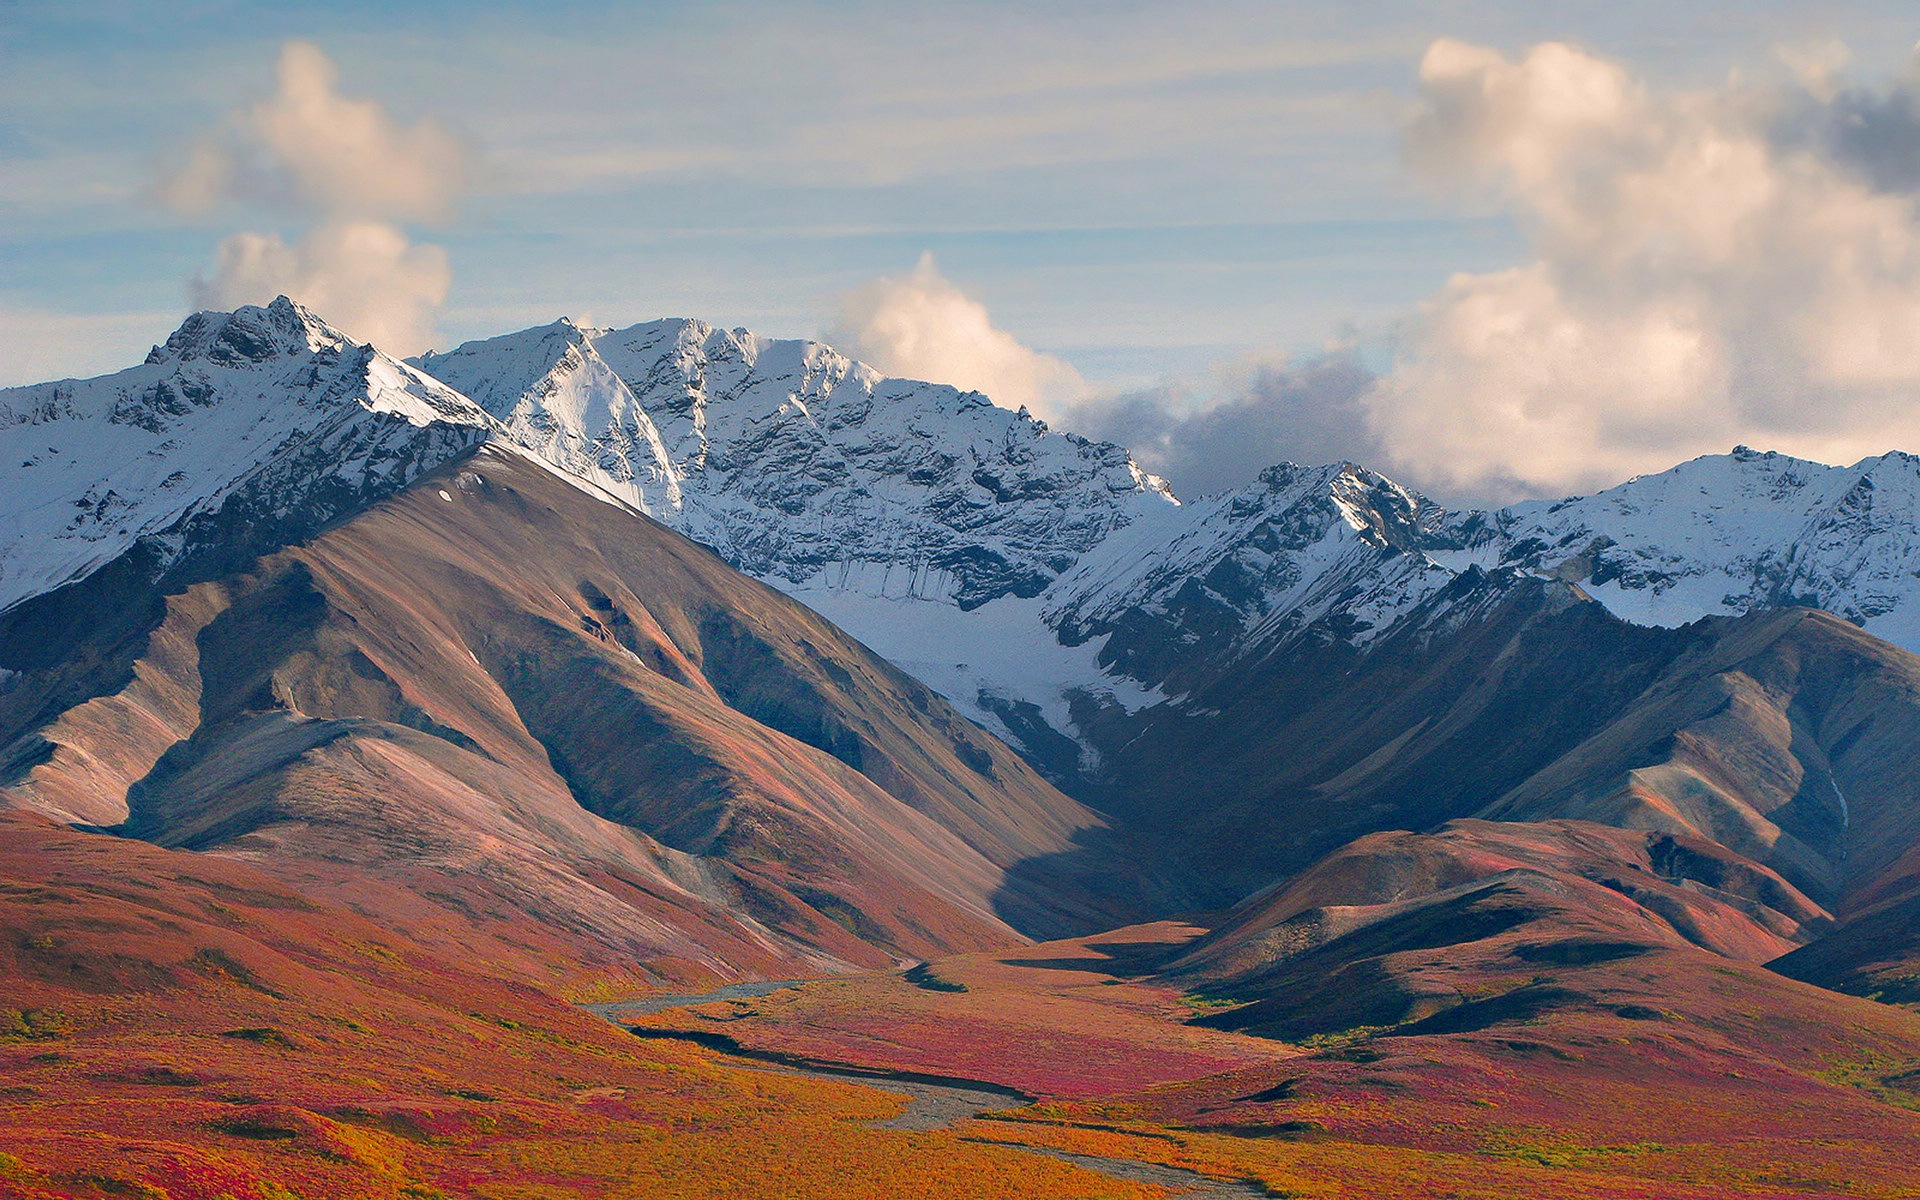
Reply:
x=556, y=396
x=990, y=663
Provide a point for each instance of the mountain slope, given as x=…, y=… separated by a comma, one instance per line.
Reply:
x=1779, y=735
x=497, y=688
x=1329, y=949
x=1783, y=736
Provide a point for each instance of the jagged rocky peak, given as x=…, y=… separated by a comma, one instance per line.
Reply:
x=1724, y=534
x=1295, y=505
x=249, y=334
x=1297, y=546
x=1380, y=510
x=500, y=373
x=265, y=411
x=557, y=397
x=803, y=466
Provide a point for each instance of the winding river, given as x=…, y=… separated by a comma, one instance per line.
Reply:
x=933, y=1102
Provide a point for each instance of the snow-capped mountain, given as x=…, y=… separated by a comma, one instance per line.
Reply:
x=1347, y=553
x=1024, y=573
x=1342, y=554
x=249, y=418
x=804, y=467
x=1722, y=535
x=1335, y=548
x=1018, y=570
x=1329, y=553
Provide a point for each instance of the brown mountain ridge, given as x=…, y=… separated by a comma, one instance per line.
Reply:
x=496, y=695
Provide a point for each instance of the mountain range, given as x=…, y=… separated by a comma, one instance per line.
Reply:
x=680, y=656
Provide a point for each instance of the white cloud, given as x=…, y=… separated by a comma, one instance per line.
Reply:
x=921, y=326
x=364, y=275
x=309, y=151
x=1699, y=277
x=309, y=145
x=1218, y=433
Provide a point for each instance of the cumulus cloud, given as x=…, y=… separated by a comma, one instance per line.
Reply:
x=1204, y=436
x=1739, y=263
x=383, y=289
x=921, y=326
x=353, y=172
x=1254, y=415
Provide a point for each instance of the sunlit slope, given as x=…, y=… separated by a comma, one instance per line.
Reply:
x=499, y=697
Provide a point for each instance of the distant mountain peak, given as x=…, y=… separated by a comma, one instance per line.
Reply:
x=266, y=410
x=803, y=466
x=249, y=334
x=1721, y=535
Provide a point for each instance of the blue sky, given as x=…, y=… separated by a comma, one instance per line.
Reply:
x=1145, y=191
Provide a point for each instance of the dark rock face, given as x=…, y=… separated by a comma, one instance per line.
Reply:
x=1509, y=697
